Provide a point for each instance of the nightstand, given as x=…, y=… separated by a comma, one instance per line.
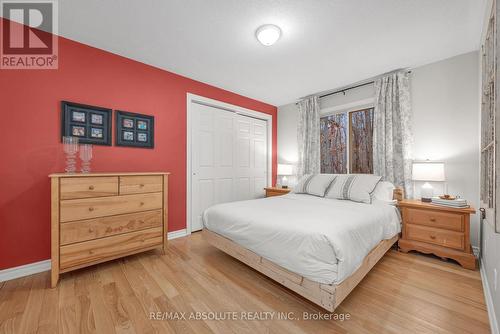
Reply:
x=275, y=191
x=438, y=230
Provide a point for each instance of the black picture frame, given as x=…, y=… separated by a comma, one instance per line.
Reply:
x=134, y=130
x=90, y=124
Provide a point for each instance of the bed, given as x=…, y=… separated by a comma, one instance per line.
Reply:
x=320, y=248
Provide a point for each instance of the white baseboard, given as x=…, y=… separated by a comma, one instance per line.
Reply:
x=489, y=300
x=177, y=234
x=38, y=267
x=25, y=270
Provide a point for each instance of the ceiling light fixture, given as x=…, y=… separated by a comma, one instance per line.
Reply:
x=268, y=34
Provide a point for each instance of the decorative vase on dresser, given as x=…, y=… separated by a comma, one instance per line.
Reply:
x=97, y=217
x=438, y=230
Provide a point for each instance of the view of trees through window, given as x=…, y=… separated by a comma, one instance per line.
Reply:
x=347, y=142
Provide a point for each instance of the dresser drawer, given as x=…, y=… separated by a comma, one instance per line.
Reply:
x=140, y=184
x=83, y=230
x=85, y=187
x=79, y=209
x=434, y=236
x=110, y=247
x=449, y=221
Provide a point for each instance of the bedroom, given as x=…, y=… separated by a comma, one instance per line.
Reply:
x=249, y=166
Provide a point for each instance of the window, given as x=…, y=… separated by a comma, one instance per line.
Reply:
x=347, y=142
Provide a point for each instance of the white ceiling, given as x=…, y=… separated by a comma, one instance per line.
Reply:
x=325, y=43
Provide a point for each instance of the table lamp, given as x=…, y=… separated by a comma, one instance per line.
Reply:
x=427, y=171
x=284, y=170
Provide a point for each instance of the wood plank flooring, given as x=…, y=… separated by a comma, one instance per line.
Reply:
x=404, y=293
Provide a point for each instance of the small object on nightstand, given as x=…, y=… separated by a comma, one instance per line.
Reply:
x=275, y=191
x=440, y=230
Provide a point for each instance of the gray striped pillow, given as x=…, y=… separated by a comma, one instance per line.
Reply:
x=354, y=187
x=301, y=186
x=316, y=184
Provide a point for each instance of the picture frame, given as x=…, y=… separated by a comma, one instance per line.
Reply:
x=134, y=130
x=90, y=124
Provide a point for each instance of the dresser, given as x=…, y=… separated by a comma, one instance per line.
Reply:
x=275, y=191
x=98, y=217
x=439, y=230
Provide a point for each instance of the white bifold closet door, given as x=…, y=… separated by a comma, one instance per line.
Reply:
x=228, y=159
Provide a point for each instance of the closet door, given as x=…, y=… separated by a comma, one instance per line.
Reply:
x=251, y=157
x=212, y=175
x=228, y=159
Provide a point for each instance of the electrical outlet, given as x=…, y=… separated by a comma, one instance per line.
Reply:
x=496, y=279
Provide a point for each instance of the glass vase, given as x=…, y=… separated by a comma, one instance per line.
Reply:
x=70, y=146
x=85, y=156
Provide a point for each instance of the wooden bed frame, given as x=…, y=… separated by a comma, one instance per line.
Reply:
x=328, y=296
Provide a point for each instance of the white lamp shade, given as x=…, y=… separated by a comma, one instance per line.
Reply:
x=428, y=171
x=284, y=169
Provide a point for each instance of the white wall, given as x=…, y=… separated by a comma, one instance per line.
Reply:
x=446, y=126
x=445, y=104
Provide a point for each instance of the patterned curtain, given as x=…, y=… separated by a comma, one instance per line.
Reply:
x=308, y=136
x=392, y=133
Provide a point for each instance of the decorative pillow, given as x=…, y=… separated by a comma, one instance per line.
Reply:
x=314, y=184
x=354, y=187
x=300, y=187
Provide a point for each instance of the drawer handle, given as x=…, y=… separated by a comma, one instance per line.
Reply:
x=142, y=203
x=91, y=209
x=141, y=185
x=91, y=230
x=432, y=219
x=433, y=237
x=91, y=187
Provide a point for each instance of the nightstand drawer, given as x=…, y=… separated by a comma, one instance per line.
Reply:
x=435, y=236
x=445, y=220
x=273, y=193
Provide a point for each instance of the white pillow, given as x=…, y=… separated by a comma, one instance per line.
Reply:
x=384, y=193
x=354, y=187
x=316, y=184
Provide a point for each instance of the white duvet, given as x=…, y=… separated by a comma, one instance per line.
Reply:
x=322, y=239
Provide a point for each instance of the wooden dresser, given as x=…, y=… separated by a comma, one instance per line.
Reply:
x=99, y=217
x=439, y=230
x=275, y=191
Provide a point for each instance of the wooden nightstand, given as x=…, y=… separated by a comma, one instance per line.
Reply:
x=275, y=191
x=439, y=230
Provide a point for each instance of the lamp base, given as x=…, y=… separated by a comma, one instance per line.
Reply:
x=284, y=187
x=426, y=193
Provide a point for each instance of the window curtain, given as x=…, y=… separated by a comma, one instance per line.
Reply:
x=392, y=133
x=308, y=136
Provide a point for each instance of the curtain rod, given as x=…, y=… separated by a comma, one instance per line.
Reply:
x=343, y=90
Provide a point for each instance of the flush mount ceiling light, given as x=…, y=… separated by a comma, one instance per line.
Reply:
x=268, y=34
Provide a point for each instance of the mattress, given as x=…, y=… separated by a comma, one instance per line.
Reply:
x=322, y=239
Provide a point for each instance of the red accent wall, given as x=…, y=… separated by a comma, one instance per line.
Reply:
x=30, y=136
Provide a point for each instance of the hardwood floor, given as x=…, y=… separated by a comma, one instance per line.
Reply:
x=404, y=293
